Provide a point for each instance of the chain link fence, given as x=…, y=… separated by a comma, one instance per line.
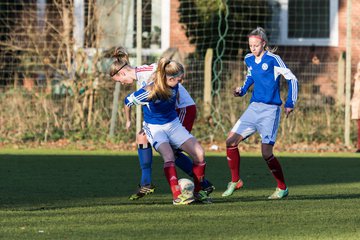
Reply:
x=52, y=88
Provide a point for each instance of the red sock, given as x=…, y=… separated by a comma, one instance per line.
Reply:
x=199, y=173
x=233, y=158
x=171, y=177
x=358, y=137
x=277, y=172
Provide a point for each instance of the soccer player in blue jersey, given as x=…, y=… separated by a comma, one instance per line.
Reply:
x=263, y=113
x=164, y=130
x=123, y=72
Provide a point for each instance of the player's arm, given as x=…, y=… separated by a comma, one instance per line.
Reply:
x=292, y=95
x=241, y=91
x=140, y=97
x=127, y=110
x=292, y=88
x=292, y=84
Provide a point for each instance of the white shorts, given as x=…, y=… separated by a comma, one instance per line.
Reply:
x=174, y=133
x=262, y=118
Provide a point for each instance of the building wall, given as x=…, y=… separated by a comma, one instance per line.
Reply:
x=334, y=52
x=314, y=65
x=178, y=38
x=294, y=53
x=355, y=22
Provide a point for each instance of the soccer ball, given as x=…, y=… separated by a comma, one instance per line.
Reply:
x=186, y=187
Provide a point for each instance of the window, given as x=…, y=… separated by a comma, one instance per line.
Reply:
x=118, y=21
x=155, y=25
x=305, y=22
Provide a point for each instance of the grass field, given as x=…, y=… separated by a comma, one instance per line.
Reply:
x=79, y=195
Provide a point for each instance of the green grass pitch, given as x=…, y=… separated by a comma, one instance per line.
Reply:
x=79, y=195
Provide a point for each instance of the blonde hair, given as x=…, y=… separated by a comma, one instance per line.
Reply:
x=260, y=33
x=166, y=68
x=121, y=60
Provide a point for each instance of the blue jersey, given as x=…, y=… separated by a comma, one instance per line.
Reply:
x=155, y=111
x=265, y=75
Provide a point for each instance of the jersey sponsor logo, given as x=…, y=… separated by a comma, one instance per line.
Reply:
x=264, y=66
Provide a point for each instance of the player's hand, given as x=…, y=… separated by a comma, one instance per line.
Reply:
x=237, y=92
x=128, y=125
x=288, y=111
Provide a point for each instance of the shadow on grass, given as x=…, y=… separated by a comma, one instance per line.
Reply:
x=290, y=198
x=43, y=181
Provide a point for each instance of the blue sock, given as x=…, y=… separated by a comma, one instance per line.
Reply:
x=205, y=183
x=184, y=163
x=145, y=159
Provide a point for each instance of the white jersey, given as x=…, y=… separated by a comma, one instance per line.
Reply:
x=143, y=76
x=184, y=99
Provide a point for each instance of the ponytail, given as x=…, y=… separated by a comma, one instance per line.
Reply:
x=166, y=68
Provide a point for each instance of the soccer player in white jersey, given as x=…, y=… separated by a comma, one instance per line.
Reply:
x=122, y=71
x=164, y=130
x=263, y=113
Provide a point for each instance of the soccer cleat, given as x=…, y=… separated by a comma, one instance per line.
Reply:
x=143, y=191
x=202, y=197
x=231, y=187
x=209, y=189
x=207, y=186
x=279, y=194
x=183, y=200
